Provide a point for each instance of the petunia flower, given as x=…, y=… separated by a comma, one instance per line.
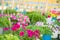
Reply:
x=20, y=19
x=37, y=33
x=25, y=17
x=15, y=27
x=13, y=17
x=21, y=33
x=21, y=15
x=30, y=33
x=1, y=15
x=48, y=16
x=5, y=29
x=26, y=24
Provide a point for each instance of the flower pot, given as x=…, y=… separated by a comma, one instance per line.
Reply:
x=46, y=37
x=54, y=34
x=1, y=30
x=58, y=36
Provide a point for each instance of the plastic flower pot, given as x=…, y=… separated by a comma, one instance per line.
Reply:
x=46, y=37
x=58, y=36
x=1, y=30
x=54, y=34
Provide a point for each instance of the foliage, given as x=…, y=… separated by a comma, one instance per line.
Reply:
x=4, y=22
x=47, y=13
x=34, y=27
x=9, y=37
x=47, y=30
x=0, y=11
x=57, y=22
x=10, y=11
x=35, y=16
x=42, y=29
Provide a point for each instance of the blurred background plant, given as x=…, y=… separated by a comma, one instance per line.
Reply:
x=35, y=17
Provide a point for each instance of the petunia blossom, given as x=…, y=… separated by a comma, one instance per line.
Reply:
x=5, y=29
x=15, y=27
x=30, y=33
x=37, y=33
x=21, y=33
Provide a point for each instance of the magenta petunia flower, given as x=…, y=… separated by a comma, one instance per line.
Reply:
x=30, y=33
x=37, y=33
x=1, y=15
x=21, y=15
x=15, y=27
x=21, y=33
x=13, y=17
x=5, y=29
x=5, y=14
x=23, y=22
x=26, y=24
x=49, y=16
x=25, y=17
x=23, y=26
x=20, y=19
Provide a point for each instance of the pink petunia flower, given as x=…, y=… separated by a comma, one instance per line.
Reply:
x=21, y=15
x=25, y=17
x=23, y=22
x=13, y=17
x=30, y=33
x=26, y=24
x=5, y=14
x=5, y=29
x=20, y=19
x=21, y=33
x=1, y=15
x=15, y=27
x=37, y=33
x=23, y=26
x=49, y=16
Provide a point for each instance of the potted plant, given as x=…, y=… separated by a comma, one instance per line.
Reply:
x=47, y=33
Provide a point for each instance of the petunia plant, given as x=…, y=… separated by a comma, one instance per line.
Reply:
x=29, y=33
